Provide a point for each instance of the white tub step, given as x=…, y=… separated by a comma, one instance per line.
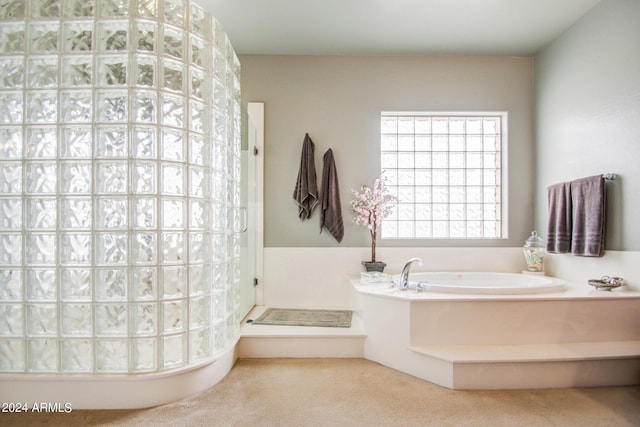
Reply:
x=268, y=341
x=584, y=364
x=532, y=352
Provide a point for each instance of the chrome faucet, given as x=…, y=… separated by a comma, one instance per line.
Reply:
x=404, y=276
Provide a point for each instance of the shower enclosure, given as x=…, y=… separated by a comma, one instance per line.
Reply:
x=120, y=213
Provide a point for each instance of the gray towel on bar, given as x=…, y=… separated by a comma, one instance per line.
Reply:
x=330, y=209
x=588, y=206
x=306, y=191
x=560, y=221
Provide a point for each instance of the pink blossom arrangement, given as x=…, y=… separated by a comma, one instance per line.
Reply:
x=370, y=207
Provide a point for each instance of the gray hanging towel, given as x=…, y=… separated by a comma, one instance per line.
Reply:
x=306, y=191
x=559, y=225
x=330, y=208
x=588, y=207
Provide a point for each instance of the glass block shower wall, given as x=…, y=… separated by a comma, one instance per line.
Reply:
x=119, y=186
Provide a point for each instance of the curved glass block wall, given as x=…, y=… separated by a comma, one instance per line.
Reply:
x=119, y=186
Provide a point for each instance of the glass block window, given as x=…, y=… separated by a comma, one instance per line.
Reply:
x=447, y=170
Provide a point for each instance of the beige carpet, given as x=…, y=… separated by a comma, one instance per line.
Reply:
x=356, y=392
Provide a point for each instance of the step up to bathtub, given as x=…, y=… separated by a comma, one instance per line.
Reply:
x=532, y=352
x=268, y=341
x=584, y=364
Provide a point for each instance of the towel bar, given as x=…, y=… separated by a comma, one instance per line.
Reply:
x=609, y=176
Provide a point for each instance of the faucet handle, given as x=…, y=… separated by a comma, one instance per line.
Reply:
x=421, y=286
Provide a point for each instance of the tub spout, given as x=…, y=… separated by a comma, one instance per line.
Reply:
x=404, y=277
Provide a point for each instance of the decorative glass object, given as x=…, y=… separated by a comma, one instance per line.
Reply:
x=534, y=251
x=606, y=283
x=119, y=166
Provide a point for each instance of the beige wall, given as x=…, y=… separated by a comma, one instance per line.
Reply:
x=338, y=101
x=588, y=114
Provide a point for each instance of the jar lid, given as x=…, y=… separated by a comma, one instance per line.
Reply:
x=534, y=240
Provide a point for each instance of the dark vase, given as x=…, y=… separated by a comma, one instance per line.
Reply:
x=374, y=266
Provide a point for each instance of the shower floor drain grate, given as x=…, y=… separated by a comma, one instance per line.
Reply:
x=301, y=317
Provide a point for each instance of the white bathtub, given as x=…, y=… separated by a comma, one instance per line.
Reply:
x=485, y=283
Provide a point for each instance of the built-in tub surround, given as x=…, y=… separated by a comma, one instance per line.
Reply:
x=119, y=197
x=579, y=337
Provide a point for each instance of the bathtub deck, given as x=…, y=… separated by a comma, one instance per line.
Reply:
x=577, y=338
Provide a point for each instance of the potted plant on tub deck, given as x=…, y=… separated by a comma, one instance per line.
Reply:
x=371, y=206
